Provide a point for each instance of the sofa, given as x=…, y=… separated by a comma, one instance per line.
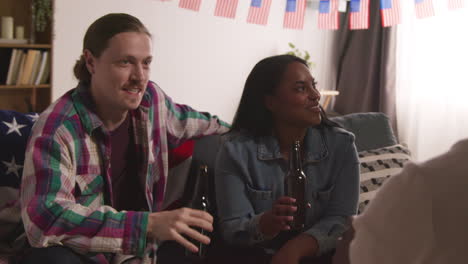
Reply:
x=380, y=154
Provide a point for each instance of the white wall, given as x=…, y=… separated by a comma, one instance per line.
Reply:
x=200, y=59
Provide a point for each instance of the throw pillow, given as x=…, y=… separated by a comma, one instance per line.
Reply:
x=376, y=167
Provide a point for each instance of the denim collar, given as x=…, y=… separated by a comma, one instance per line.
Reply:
x=314, y=142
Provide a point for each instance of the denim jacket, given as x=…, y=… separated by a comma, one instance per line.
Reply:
x=249, y=178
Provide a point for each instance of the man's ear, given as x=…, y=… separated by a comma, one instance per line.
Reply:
x=90, y=61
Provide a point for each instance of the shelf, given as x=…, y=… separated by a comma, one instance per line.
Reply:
x=27, y=86
x=26, y=46
x=30, y=97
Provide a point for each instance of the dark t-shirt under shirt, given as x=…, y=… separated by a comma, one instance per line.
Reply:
x=128, y=192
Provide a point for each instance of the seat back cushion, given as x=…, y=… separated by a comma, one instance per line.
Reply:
x=372, y=130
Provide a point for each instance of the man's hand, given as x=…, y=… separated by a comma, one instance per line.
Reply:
x=171, y=225
x=278, y=218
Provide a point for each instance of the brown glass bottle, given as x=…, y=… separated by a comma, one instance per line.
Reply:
x=294, y=184
x=201, y=202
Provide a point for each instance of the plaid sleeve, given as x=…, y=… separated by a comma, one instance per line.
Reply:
x=54, y=214
x=183, y=122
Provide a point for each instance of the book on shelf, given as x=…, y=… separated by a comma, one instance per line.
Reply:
x=20, y=68
x=41, y=71
x=35, y=67
x=14, y=54
x=28, y=67
x=46, y=74
x=20, y=54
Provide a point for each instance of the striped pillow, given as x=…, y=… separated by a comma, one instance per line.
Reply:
x=376, y=167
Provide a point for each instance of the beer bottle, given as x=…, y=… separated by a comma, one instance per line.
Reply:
x=295, y=183
x=201, y=202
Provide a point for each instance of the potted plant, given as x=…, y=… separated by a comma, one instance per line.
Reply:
x=301, y=54
x=41, y=13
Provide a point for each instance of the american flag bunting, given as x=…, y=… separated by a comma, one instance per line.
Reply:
x=258, y=12
x=294, y=15
x=190, y=4
x=226, y=8
x=455, y=4
x=359, y=14
x=328, y=14
x=390, y=12
x=423, y=8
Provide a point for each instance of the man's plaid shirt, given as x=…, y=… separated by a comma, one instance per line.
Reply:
x=66, y=186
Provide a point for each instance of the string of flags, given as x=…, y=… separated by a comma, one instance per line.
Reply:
x=328, y=11
x=226, y=8
x=359, y=14
x=258, y=12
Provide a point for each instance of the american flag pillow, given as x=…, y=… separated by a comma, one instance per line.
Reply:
x=14, y=132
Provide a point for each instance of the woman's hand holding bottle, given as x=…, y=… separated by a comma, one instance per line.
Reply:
x=278, y=218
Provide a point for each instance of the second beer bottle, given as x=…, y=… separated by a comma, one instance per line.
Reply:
x=201, y=202
x=295, y=184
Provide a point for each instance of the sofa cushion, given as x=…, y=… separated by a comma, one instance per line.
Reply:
x=180, y=166
x=372, y=130
x=376, y=167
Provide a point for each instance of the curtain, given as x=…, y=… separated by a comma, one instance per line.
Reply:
x=365, y=67
x=432, y=90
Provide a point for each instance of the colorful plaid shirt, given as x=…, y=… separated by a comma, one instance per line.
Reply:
x=66, y=195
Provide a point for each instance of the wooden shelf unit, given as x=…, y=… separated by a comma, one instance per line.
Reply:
x=26, y=98
x=26, y=46
x=40, y=86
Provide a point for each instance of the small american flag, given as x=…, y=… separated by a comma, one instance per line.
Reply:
x=226, y=8
x=455, y=4
x=190, y=4
x=359, y=14
x=390, y=12
x=258, y=12
x=294, y=15
x=328, y=14
x=424, y=8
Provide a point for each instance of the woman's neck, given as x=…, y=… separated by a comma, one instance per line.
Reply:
x=286, y=136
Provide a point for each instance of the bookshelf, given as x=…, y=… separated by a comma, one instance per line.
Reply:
x=25, y=79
